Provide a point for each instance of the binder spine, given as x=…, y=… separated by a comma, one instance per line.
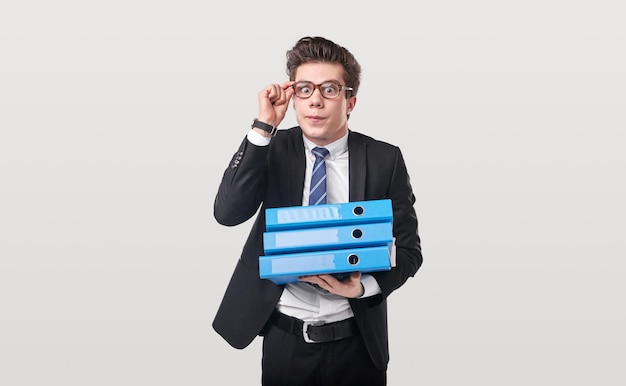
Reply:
x=324, y=238
x=286, y=268
x=299, y=217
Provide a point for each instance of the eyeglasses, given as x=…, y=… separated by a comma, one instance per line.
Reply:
x=329, y=90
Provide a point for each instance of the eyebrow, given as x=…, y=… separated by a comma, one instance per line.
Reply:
x=326, y=81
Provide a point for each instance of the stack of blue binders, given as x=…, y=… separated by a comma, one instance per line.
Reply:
x=326, y=239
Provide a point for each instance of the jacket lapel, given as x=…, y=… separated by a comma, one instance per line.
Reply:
x=357, y=168
x=295, y=149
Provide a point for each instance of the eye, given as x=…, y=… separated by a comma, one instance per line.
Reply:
x=304, y=88
x=330, y=88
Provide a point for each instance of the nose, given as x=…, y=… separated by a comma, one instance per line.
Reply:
x=316, y=98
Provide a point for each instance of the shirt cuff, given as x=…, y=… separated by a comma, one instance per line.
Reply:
x=258, y=139
x=370, y=285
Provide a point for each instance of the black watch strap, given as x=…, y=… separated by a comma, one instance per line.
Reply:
x=264, y=126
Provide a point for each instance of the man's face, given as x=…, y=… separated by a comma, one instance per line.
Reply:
x=322, y=120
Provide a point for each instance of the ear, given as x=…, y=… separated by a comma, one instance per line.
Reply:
x=351, y=103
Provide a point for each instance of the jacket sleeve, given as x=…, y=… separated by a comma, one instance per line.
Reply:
x=243, y=184
x=405, y=230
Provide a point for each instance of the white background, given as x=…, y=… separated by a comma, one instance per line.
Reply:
x=118, y=119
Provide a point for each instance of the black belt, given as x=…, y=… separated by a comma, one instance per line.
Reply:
x=315, y=332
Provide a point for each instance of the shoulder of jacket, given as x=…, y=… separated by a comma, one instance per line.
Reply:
x=370, y=141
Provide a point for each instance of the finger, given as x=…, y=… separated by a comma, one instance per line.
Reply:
x=284, y=99
x=314, y=279
x=265, y=95
x=330, y=279
x=273, y=92
x=284, y=92
x=281, y=98
x=308, y=278
x=328, y=282
x=287, y=85
x=289, y=91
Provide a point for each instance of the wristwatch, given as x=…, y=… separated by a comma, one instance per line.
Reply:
x=264, y=126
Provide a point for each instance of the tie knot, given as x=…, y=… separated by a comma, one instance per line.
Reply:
x=320, y=152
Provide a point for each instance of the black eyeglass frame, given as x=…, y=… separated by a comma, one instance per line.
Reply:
x=318, y=87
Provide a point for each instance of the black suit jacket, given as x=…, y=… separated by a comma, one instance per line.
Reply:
x=273, y=176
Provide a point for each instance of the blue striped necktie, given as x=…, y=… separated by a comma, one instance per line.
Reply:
x=317, y=193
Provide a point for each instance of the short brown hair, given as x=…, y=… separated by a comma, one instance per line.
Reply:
x=318, y=49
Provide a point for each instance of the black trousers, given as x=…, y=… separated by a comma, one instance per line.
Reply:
x=290, y=361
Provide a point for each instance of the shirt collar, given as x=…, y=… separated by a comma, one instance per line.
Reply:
x=335, y=149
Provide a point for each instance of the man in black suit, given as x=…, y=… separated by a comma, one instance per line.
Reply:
x=273, y=169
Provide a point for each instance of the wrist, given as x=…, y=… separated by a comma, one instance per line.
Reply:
x=362, y=291
x=269, y=130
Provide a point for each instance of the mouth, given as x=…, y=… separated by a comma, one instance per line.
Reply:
x=315, y=118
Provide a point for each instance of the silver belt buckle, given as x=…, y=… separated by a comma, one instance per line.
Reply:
x=305, y=330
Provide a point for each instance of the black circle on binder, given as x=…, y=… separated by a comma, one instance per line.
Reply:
x=358, y=210
x=357, y=233
x=353, y=259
